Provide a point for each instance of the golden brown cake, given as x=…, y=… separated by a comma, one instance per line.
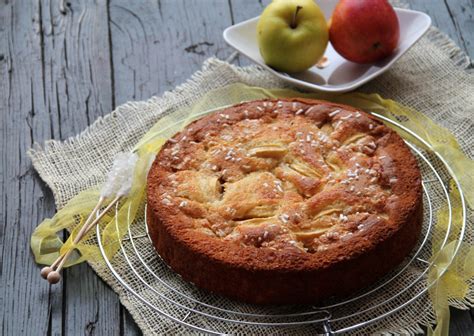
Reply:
x=284, y=201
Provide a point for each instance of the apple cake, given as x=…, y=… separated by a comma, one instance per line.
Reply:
x=284, y=201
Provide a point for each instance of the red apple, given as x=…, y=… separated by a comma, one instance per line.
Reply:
x=364, y=31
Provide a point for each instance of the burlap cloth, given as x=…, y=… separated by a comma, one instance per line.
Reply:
x=433, y=78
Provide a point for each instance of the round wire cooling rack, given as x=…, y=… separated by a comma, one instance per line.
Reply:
x=140, y=270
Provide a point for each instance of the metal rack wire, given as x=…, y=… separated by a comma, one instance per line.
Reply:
x=170, y=296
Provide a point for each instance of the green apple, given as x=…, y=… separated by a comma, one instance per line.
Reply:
x=292, y=35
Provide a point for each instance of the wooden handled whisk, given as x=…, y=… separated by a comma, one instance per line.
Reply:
x=118, y=184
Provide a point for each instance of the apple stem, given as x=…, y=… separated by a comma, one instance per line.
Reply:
x=293, y=21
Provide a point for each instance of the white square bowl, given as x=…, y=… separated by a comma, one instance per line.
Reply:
x=340, y=75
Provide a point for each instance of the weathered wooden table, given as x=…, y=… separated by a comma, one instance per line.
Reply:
x=65, y=63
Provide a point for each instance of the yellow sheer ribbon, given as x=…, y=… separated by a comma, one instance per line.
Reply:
x=453, y=284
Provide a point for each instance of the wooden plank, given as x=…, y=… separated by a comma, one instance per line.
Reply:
x=462, y=15
x=78, y=89
x=462, y=322
x=77, y=71
x=243, y=10
x=246, y=9
x=129, y=327
x=24, y=297
x=454, y=18
x=57, y=72
x=157, y=46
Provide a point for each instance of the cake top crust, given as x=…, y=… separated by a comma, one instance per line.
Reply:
x=309, y=180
